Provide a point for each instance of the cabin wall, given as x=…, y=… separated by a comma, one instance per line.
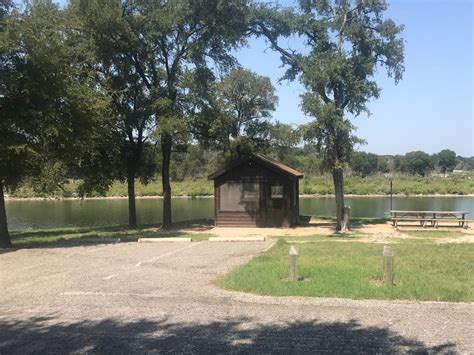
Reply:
x=271, y=212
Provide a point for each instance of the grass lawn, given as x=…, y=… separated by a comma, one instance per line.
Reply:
x=330, y=268
x=38, y=238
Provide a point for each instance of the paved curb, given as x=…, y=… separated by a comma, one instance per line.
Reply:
x=164, y=240
x=238, y=239
x=92, y=240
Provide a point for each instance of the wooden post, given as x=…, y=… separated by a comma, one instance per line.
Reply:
x=387, y=265
x=346, y=218
x=293, y=268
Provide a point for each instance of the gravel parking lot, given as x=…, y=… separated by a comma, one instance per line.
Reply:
x=160, y=298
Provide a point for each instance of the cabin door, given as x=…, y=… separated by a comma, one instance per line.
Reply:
x=275, y=196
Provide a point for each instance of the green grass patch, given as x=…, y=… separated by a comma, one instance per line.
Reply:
x=353, y=270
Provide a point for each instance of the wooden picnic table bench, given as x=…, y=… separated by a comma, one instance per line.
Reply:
x=432, y=217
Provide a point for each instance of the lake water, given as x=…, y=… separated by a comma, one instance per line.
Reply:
x=75, y=213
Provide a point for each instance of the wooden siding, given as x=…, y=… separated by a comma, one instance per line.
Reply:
x=269, y=213
x=236, y=219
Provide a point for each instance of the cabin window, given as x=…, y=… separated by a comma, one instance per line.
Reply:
x=276, y=192
x=275, y=200
x=239, y=196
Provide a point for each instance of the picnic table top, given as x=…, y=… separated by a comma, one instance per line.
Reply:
x=437, y=212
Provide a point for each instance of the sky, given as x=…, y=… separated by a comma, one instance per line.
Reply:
x=431, y=108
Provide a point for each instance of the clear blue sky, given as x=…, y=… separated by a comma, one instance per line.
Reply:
x=431, y=108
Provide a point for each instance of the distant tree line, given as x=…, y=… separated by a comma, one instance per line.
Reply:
x=197, y=162
x=412, y=163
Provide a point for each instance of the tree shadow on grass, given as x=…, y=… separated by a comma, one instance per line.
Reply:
x=204, y=223
x=102, y=234
x=47, y=335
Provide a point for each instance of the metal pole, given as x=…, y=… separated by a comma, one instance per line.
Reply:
x=391, y=194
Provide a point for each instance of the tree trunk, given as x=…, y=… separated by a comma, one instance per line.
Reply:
x=338, y=178
x=5, y=241
x=165, y=180
x=132, y=209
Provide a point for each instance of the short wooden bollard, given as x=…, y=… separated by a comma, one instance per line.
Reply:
x=346, y=218
x=293, y=268
x=387, y=265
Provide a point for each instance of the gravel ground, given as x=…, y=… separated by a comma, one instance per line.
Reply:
x=159, y=298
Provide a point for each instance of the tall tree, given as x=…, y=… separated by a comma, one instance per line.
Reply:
x=363, y=164
x=246, y=101
x=162, y=43
x=234, y=114
x=284, y=139
x=51, y=112
x=345, y=43
x=417, y=163
x=115, y=48
x=446, y=161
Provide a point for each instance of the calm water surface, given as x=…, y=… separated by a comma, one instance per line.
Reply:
x=73, y=213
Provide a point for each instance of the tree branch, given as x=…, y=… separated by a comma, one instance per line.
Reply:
x=273, y=41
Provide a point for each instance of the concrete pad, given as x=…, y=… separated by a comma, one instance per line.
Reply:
x=255, y=238
x=165, y=240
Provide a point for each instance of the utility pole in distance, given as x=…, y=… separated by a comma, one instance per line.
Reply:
x=391, y=194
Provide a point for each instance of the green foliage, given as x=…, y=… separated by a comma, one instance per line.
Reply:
x=464, y=163
x=157, y=58
x=234, y=118
x=310, y=185
x=364, y=164
x=52, y=113
x=346, y=42
x=416, y=163
x=446, y=160
x=45, y=99
x=246, y=101
x=113, y=43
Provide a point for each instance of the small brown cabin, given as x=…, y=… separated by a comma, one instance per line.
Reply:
x=256, y=192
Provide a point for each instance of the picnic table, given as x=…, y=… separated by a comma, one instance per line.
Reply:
x=432, y=217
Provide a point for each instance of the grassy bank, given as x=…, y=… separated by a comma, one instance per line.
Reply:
x=378, y=185
x=320, y=185
x=331, y=268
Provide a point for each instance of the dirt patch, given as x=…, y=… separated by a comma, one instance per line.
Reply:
x=383, y=233
x=380, y=233
x=368, y=232
x=468, y=238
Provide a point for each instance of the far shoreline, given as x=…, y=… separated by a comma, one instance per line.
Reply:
x=9, y=198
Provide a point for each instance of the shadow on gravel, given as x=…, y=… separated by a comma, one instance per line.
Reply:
x=43, y=335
